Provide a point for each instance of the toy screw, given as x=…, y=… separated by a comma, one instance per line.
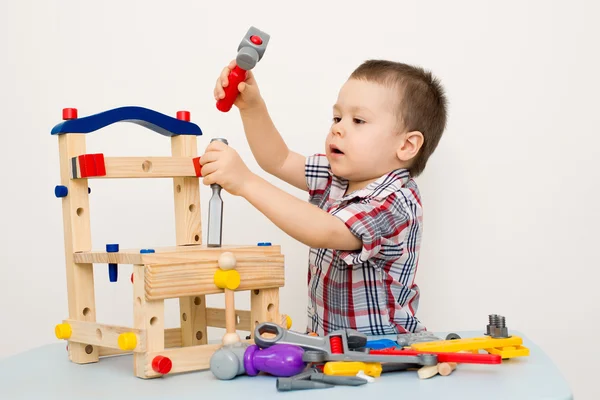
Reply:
x=215, y=212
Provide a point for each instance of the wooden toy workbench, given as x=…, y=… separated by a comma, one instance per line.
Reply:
x=188, y=271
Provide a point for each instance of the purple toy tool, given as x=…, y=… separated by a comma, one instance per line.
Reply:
x=282, y=360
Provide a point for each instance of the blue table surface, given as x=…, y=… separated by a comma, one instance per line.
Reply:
x=46, y=373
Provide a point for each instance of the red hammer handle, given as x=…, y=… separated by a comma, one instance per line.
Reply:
x=236, y=76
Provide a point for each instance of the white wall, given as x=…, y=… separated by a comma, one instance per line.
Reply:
x=511, y=195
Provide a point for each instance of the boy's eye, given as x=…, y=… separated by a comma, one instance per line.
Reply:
x=336, y=120
x=358, y=121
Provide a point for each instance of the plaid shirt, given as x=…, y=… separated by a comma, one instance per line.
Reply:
x=371, y=289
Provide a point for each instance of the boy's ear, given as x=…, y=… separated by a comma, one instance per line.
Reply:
x=410, y=145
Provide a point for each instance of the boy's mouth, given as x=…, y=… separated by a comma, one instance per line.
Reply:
x=335, y=150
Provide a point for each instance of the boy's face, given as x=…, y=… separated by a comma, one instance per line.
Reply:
x=362, y=142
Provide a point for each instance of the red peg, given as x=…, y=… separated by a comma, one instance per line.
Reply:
x=69, y=113
x=161, y=364
x=256, y=40
x=132, y=277
x=183, y=115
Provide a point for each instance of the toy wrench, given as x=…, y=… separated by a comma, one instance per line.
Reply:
x=321, y=356
x=348, y=339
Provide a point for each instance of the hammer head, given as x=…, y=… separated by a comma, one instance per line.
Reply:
x=252, y=48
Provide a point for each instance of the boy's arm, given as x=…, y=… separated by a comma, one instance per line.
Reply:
x=269, y=148
x=301, y=220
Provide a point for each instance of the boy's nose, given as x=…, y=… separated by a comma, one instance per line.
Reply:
x=338, y=129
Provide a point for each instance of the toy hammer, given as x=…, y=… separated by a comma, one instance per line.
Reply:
x=250, y=51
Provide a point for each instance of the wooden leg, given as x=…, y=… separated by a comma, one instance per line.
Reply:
x=264, y=307
x=82, y=307
x=193, y=320
x=77, y=237
x=149, y=316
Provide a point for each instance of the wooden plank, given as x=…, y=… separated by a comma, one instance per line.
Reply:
x=148, y=167
x=165, y=281
x=215, y=317
x=172, y=339
x=188, y=231
x=264, y=307
x=192, y=310
x=148, y=316
x=174, y=254
x=103, y=335
x=77, y=237
x=186, y=191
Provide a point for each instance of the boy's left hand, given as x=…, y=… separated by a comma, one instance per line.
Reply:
x=222, y=165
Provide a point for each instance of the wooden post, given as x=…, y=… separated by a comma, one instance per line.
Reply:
x=264, y=307
x=77, y=237
x=188, y=230
x=148, y=316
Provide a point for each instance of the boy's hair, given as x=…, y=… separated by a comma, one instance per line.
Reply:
x=423, y=102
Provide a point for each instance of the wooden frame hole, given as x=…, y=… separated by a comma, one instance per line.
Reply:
x=192, y=207
x=153, y=320
x=146, y=166
x=197, y=301
x=79, y=211
x=196, y=238
x=178, y=188
x=89, y=349
x=199, y=335
x=271, y=307
x=256, y=291
x=86, y=312
x=184, y=317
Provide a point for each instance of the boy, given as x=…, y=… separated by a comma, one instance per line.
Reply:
x=364, y=216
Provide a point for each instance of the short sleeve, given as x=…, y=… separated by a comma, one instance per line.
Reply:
x=318, y=176
x=380, y=226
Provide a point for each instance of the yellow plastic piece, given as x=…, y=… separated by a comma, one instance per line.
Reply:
x=468, y=344
x=351, y=368
x=127, y=341
x=63, y=331
x=510, y=352
x=288, y=321
x=229, y=279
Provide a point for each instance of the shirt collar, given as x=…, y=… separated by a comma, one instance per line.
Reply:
x=382, y=187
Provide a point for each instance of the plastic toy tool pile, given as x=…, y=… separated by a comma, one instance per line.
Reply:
x=346, y=357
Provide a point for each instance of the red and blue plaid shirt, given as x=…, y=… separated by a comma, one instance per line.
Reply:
x=371, y=289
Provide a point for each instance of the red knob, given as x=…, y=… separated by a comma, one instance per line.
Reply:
x=162, y=364
x=183, y=115
x=256, y=40
x=69, y=113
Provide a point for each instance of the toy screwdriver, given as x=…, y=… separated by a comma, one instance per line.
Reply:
x=215, y=212
x=250, y=51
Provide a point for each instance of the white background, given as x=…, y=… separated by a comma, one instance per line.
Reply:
x=511, y=195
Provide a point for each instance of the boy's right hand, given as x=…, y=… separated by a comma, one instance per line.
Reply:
x=249, y=96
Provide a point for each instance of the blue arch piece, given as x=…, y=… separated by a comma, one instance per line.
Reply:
x=155, y=121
